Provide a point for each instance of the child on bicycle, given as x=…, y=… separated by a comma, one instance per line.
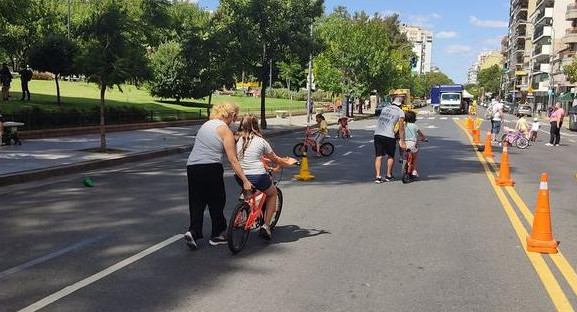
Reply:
x=343, y=127
x=534, y=129
x=321, y=133
x=522, y=126
x=413, y=135
x=251, y=147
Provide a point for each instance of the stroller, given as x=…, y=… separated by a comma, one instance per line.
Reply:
x=10, y=132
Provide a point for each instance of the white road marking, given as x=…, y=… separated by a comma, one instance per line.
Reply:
x=347, y=153
x=572, y=141
x=371, y=127
x=431, y=127
x=455, y=118
x=444, y=118
x=330, y=162
x=98, y=276
x=431, y=118
x=55, y=254
x=371, y=141
x=361, y=146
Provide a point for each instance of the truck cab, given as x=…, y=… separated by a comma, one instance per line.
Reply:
x=450, y=102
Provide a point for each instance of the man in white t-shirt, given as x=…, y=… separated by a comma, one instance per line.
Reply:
x=497, y=119
x=391, y=117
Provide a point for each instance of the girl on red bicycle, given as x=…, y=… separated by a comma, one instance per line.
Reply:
x=251, y=147
x=413, y=135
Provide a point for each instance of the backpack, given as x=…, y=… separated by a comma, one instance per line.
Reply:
x=489, y=113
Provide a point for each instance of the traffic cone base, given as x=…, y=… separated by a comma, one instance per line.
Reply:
x=541, y=239
x=304, y=174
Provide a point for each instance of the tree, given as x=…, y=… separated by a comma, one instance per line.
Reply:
x=490, y=78
x=571, y=71
x=169, y=78
x=426, y=81
x=110, y=54
x=54, y=54
x=265, y=30
x=362, y=53
x=293, y=72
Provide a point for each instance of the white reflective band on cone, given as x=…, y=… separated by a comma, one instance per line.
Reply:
x=543, y=186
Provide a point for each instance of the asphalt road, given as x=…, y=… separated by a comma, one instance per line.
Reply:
x=343, y=243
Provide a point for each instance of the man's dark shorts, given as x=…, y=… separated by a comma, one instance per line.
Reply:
x=385, y=146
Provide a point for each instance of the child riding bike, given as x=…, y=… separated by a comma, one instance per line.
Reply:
x=343, y=128
x=321, y=133
x=251, y=147
x=413, y=135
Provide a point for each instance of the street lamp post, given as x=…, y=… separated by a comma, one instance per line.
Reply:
x=68, y=19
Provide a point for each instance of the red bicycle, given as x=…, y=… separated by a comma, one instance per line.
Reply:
x=250, y=211
x=326, y=148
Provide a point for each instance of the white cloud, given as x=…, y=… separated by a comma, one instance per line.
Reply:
x=446, y=34
x=458, y=49
x=390, y=13
x=492, y=42
x=487, y=23
x=423, y=20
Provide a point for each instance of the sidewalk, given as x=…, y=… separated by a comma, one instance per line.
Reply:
x=43, y=158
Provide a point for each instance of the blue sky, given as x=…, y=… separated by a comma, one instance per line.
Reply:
x=461, y=28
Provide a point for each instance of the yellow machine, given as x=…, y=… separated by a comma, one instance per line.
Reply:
x=405, y=94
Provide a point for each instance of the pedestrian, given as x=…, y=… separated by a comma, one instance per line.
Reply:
x=5, y=80
x=534, y=129
x=205, y=174
x=556, y=121
x=497, y=117
x=392, y=116
x=25, y=77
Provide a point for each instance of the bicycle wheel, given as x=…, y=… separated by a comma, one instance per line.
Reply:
x=276, y=215
x=299, y=150
x=236, y=233
x=522, y=143
x=327, y=149
x=350, y=133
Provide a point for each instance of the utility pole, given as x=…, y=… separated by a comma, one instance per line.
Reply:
x=310, y=83
x=68, y=19
x=270, y=75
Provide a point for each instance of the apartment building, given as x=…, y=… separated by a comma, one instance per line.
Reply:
x=473, y=74
x=422, y=46
x=564, y=89
x=519, y=46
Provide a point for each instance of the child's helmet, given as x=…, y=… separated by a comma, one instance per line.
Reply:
x=535, y=119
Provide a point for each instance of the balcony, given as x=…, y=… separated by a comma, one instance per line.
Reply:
x=571, y=13
x=542, y=32
x=543, y=68
x=570, y=36
x=541, y=51
x=544, y=3
x=545, y=14
x=522, y=6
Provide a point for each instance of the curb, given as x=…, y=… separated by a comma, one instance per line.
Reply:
x=49, y=172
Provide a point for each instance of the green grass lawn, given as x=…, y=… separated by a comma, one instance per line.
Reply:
x=82, y=95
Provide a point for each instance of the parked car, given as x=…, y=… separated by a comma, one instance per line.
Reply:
x=418, y=103
x=524, y=110
x=509, y=107
x=380, y=107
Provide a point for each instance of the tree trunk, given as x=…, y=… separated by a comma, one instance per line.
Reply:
x=264, y=82
x=209, y=108
x=102, y=115
x=57, y=89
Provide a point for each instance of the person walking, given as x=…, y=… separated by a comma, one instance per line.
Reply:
x=391, y=117
x=205, y=174
x=25, y=77
x=556, y=121
x=497, y=118
x=5, y=80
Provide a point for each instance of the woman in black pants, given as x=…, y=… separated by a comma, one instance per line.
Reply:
x=205, y=174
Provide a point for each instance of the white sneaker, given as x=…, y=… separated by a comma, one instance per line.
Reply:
x=415, y=174
x=190, y=242
x=548, y=144
x=556, y=144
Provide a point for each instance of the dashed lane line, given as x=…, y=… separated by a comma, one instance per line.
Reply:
x=361, y=146
x=98, y=276
x=328, y=163
x=443, y=118
x=347, y=153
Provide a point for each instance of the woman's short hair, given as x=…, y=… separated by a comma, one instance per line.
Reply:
x=410, y=116
x=223, y=110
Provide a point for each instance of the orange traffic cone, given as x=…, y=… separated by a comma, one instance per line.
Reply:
x=504, y=178
x=541, y=239
x=304, y=174
x=488, y=152
x=470, y=124
x=476, y=136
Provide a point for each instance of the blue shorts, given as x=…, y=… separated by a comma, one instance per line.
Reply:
x=261, y=182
